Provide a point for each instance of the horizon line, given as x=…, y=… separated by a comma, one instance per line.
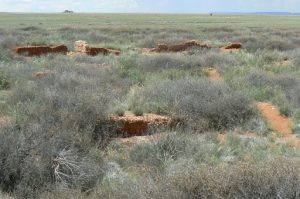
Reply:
x=183, y=13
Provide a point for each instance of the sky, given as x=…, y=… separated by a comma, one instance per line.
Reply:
x=150, y=6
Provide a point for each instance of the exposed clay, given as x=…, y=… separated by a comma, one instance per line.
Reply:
x=231, y=48
x=41, y=50
x=276, y=121
x=131, y=125
x=163, y=47
x=83, y=47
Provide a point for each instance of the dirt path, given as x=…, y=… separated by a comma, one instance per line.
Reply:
x=277, y=122
x=280, y=124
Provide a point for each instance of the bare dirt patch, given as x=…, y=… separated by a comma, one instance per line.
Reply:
x=231, y=48
x=41, y=50
x=131, y=125
x=213, y=74
x=278, y=123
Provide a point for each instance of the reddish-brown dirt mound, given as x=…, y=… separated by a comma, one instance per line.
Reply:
x=276, y=121
x=44, y=73
x=213, y=74
x=83, y=47
x=104, y=51
x=41, y=50
x=131, y=125
x=178, y=47
x=235, y=47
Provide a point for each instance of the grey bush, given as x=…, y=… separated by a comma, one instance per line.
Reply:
x=287, y=83
x=61, y=116
x=271, y=179
x=201, y=102
x=205, y=58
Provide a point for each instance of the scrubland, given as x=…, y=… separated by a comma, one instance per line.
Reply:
x=56, y=140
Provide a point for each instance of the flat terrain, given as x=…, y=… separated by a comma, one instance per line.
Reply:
x=184, y=119
x=191, y=21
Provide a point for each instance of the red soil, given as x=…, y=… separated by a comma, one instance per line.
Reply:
x=163, y=47
x=235, y=47
x=132, y=125
x=41, y=50
x=104, y=51
x=278, y=123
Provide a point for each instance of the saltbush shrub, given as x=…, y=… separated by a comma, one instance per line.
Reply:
x=199, y=102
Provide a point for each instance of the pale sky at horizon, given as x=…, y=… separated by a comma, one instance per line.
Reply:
x=150, y=6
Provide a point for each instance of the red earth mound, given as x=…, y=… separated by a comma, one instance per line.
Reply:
x=163, y=47
x=41, y=50
x=104, y=51
x=235, y=47
x=83, y=47
x=131, y=125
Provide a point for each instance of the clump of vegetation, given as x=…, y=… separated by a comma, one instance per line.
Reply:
x=58, y=121
x=199, y=102
x=285, y=83
x=5, y=81
x=138, y=111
